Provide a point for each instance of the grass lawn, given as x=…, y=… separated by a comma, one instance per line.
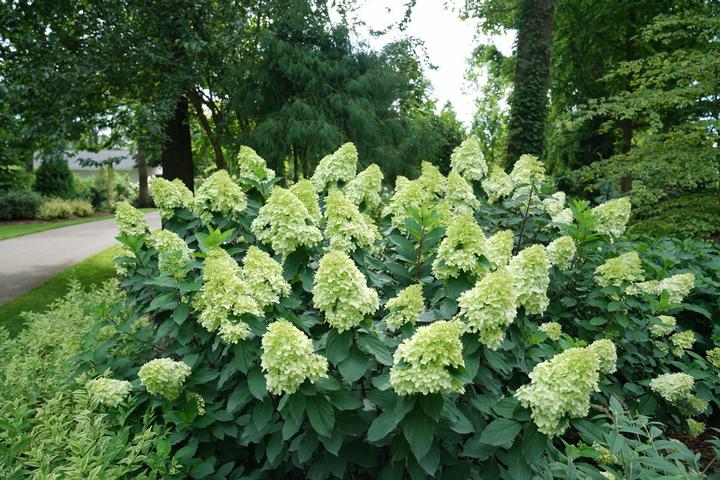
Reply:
x=95, y=269
x=10, y=231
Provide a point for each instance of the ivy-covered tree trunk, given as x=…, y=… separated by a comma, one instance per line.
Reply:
x=528, y=102
x=142, y=164
x=176, y=156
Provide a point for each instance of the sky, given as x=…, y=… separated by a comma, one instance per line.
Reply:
x=449, y=42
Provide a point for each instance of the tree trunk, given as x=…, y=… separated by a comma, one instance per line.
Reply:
x=176, y=156
x=528, y=102
x=144, y=194
x=627, y=123
x=220, y=162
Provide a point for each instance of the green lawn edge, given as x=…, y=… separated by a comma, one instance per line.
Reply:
x=12, y=231
x=92, y=270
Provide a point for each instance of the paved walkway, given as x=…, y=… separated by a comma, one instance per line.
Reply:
x=29, y=260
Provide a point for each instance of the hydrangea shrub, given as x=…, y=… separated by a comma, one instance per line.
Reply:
x=450, y=330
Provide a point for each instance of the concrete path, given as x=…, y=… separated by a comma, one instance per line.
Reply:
x=29, y=260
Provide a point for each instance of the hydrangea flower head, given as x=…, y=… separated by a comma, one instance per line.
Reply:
x=625, y=268
x=289, y=359
x=406, y=307
x=695, y=428
x=347, y=229
x=422, y=363
x=612, y=217
x=673, y=387
x=173, y=253
x=285, y=223
x=130, y=220
x=490, y=307
x=224, y=293
x=552, y=329
x=263, y=277
x=219, y=194
x=682, y=341
x=713, y=357
x=460, y=195
x=554, y=204
x=305, y=191
x=468, y=160
x=338, y=167
x=564, y=217
x=606, y=354
x=528, y=170
x=169, y=196
x=529, y=270
x=561, y=252
x=364, y=190
x=164, y=377
x=664, y=328
x=498, y=248
x=560, y=389
x=678, y=286
x=461, y=249
x=108, y=391
x=425, y=192
x=497, y=185
x=341, y=292
x=251, y=165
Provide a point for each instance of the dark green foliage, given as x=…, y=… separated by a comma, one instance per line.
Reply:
x=54, y=179
x=696, y=215
x=19, y=205
x=15, y=177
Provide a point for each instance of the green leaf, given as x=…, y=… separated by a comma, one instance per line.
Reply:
x=166, y=301
x=384, y=424
x=337, y=345
x=375, y=347
x=256, y=383
x=354, y=366
x=202, y=470
x=321, y=415
x=344, y=399
x=238, y=398
x=262, y=413
x=419, y=431
x=180, y=313
x=534, y=443
x=500, y=432
x=274, y=447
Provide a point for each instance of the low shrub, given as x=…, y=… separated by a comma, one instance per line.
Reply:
x=19, y=205
x=54, y=179
x=465, y=328
x=52, y=427
x=54, y=208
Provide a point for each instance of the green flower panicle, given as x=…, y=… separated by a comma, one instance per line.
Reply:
x=346, y=228
x=364, y=189
x=406, y=307
x=673, y=387
x=560, y=388
x=561, y=252
x=337, y=168
x=713, y=357
x=225, y=295
x=490, y=307
x=219, y=194
x=682, y=341
x=468, y=160
x=285, y=224
x=554, y=204
x=461, y=249
x=664, y=328
x=305, y=192
x=263, y=277
x=288, y=358
x=695, y=428
x=173, y=253
x=497, y=185
x=498, y=248
x=530, y=273
x=169, y=196
x=129, y=220
x=552, y=329
x=528, y=170
x=249, y=164
x=108, y=391
x=423, y=362
x=341, y=292
x=624, y=269
x=611, y=217
x=164, y=377
x=460, y=196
